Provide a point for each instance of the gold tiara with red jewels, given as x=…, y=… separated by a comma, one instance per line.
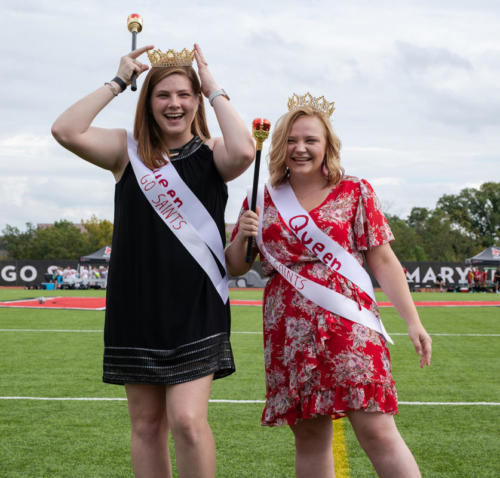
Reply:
x=171, y=58
x=319, y=104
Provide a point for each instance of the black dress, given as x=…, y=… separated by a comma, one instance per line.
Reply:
x=165, y=322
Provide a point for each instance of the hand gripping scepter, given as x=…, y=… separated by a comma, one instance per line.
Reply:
x=134, y=25
x=260, y=131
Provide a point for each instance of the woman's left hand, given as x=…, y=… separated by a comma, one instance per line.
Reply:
x=422, y=343
x=208, y=84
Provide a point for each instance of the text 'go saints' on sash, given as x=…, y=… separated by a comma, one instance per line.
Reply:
x=183, y=213
x=326, y=298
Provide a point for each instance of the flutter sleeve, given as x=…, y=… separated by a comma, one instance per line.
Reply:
x=371, y=228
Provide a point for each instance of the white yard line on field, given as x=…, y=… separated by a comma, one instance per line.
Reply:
x=216, y=400
x=51, y=330
x=233, y=333
x=451, y=335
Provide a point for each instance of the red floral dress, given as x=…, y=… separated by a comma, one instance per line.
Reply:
x=318, y=363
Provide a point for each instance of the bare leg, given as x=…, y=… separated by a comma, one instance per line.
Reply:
x=380, y=439
x=187, y=409
x=148, y=418
x=313, y=448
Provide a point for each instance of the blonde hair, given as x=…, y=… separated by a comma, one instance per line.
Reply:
x=277, y=155
x=150, y=144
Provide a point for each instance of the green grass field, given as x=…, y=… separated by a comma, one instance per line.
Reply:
x=91, y=438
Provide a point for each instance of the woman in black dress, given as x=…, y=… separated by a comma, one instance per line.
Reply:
x=167, y=314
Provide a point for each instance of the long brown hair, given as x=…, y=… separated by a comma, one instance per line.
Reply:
x=277, y=155
x=151, y=145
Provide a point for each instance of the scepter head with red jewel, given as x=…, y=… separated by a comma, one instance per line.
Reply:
x=260, y=131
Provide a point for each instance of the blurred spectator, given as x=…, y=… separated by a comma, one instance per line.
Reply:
x=484, y=277
x=470, y=280
x=59, y=277
x=477, y=279
x=440, y=282
x=84, y=273
x=103, y=271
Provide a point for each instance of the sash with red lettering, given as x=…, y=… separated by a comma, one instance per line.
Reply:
x=183, y=213
x=326, y=298
x=320, y=244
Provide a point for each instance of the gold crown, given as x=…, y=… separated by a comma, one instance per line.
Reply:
x=171, y=58
x=319, y=104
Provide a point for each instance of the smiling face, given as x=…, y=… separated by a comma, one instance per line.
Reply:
x=306, y=147
x=174, y=105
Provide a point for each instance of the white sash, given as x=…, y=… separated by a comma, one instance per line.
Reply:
x=320, y=244
x=326, y=298
x=183, y=213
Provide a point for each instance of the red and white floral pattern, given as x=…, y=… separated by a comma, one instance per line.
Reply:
x=318, y=363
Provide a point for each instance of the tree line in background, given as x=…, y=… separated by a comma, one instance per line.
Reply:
x=460, y=226
x=62, y=240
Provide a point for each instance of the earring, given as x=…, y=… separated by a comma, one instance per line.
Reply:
x=324, y=169
x=287, y=172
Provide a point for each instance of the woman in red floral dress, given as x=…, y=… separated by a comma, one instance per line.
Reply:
x=319, y=364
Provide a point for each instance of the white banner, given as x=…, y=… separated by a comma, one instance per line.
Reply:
x=183, y=213
x=328, y=251
x=326, y=298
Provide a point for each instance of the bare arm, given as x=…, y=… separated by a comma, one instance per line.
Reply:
x=236, y=251
x=103, y=147
x=388, y=271
x=235, y=151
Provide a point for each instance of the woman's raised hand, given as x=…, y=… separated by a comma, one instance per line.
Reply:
x=208, y=84
x=129, y=64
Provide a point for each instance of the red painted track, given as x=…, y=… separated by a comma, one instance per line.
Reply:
x=99, y=303
x=72, y=303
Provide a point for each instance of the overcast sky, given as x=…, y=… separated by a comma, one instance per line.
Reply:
x=416, y=86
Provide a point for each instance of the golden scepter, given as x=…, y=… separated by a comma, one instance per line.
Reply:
x=260, y=131
x=134, y=25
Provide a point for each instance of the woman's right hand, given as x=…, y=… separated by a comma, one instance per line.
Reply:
x=129, y=64
x=248, y=225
